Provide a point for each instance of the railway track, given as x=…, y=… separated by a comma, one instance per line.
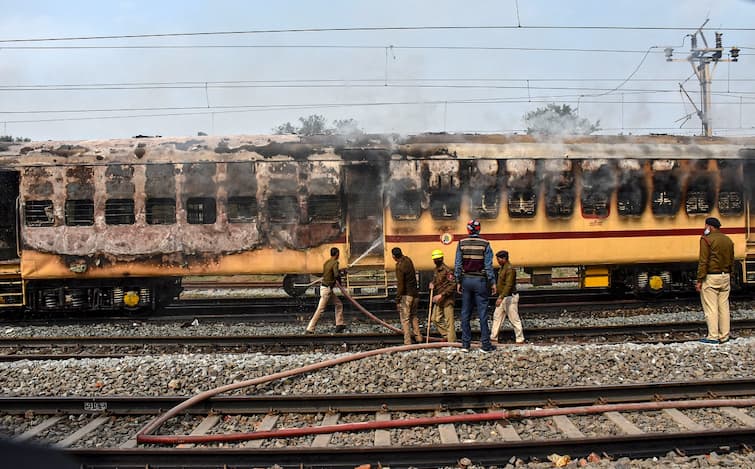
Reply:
x=101, y=432
x=62, y=348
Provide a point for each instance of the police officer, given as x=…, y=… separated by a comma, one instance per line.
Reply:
x=474, y=272
x=443, y=287
x=330, y=274
x=407, y=295
x=507, y=304
x=714, y=280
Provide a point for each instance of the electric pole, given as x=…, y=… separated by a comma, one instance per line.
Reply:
x=700, y=58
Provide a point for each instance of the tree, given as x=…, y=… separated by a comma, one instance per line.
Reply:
x=10, y=138
x=316, y=124
x=558, y=120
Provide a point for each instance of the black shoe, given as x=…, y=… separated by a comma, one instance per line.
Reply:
x=487, y=349
x=465, y=348
x=340, y=328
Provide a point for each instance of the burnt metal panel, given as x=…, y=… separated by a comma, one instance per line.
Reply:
x=80, y=183
x=119, y=181
x=199, y=180
x=241, y=179
x=161, y=181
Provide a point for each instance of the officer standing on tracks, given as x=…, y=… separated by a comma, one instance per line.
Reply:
x=507, y=304
x=330, y=274
x=443, y=287
x=407, y=296
x=474, y=272
x=714, y=280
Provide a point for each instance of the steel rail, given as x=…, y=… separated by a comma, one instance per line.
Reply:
x=284, y=340
x=509, y=398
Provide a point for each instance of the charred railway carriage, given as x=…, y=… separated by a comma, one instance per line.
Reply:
x=117, y=224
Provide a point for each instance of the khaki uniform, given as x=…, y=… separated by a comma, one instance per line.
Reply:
x=444, y=284
x=330, y=274
x=407, y=298
x=509, y=306
x=714, y=271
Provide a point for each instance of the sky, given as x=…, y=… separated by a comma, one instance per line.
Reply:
x=403, y=67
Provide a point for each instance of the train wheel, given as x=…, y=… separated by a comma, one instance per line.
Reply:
x=296, y=284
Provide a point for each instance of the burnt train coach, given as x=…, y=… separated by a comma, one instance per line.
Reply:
x=103, y=225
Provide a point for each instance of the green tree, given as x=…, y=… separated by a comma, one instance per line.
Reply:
x=10, y=138
x=316, y=124
x=558, y=120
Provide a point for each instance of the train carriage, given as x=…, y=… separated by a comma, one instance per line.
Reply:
x=108, y=225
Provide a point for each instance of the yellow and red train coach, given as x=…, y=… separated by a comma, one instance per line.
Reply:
x=117, y=224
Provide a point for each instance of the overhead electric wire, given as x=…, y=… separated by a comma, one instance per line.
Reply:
x=375, y=28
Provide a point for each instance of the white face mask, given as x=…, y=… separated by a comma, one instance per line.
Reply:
x=707, y=231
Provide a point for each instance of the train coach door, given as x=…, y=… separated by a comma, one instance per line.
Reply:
x=11, y=285
x=8, y=215
x=364, y=214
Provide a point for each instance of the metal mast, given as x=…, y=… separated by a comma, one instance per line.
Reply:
x=700, y=58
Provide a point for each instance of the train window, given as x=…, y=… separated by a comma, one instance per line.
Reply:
x=80, y=212
x=597, y=187
x=559, y=195
x=119, y=211
x=522, y=203
x=485, y=203
x=201, y=211
x=445, y=204
x=242, y=209
x=731, y=192
x=700, y=193
x=161, y=211
x=666, y=193
x=283, y=209
x=324, y=208
x=631, y=196
x=405, y=205
x=39, y=213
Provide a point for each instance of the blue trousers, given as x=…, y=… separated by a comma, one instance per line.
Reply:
x=474, y=291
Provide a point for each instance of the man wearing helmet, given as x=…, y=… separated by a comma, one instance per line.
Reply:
x=474, y=273
x=443, y=287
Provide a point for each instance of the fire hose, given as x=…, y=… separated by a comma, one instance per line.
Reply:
x=145, y=435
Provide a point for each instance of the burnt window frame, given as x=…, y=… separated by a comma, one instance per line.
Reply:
x=153, y=202
x=274, y=212
x=441, y=200
x=633, y=183
x=475, y=203
x=697, y=180
x=676, y=202
x=208, y=214
x=79, y=212
x=233, y=213
x=42, y=204
x=398, y=201
x=120, y=217
x=315, y=216
x=510, y=197
x=594, y=177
